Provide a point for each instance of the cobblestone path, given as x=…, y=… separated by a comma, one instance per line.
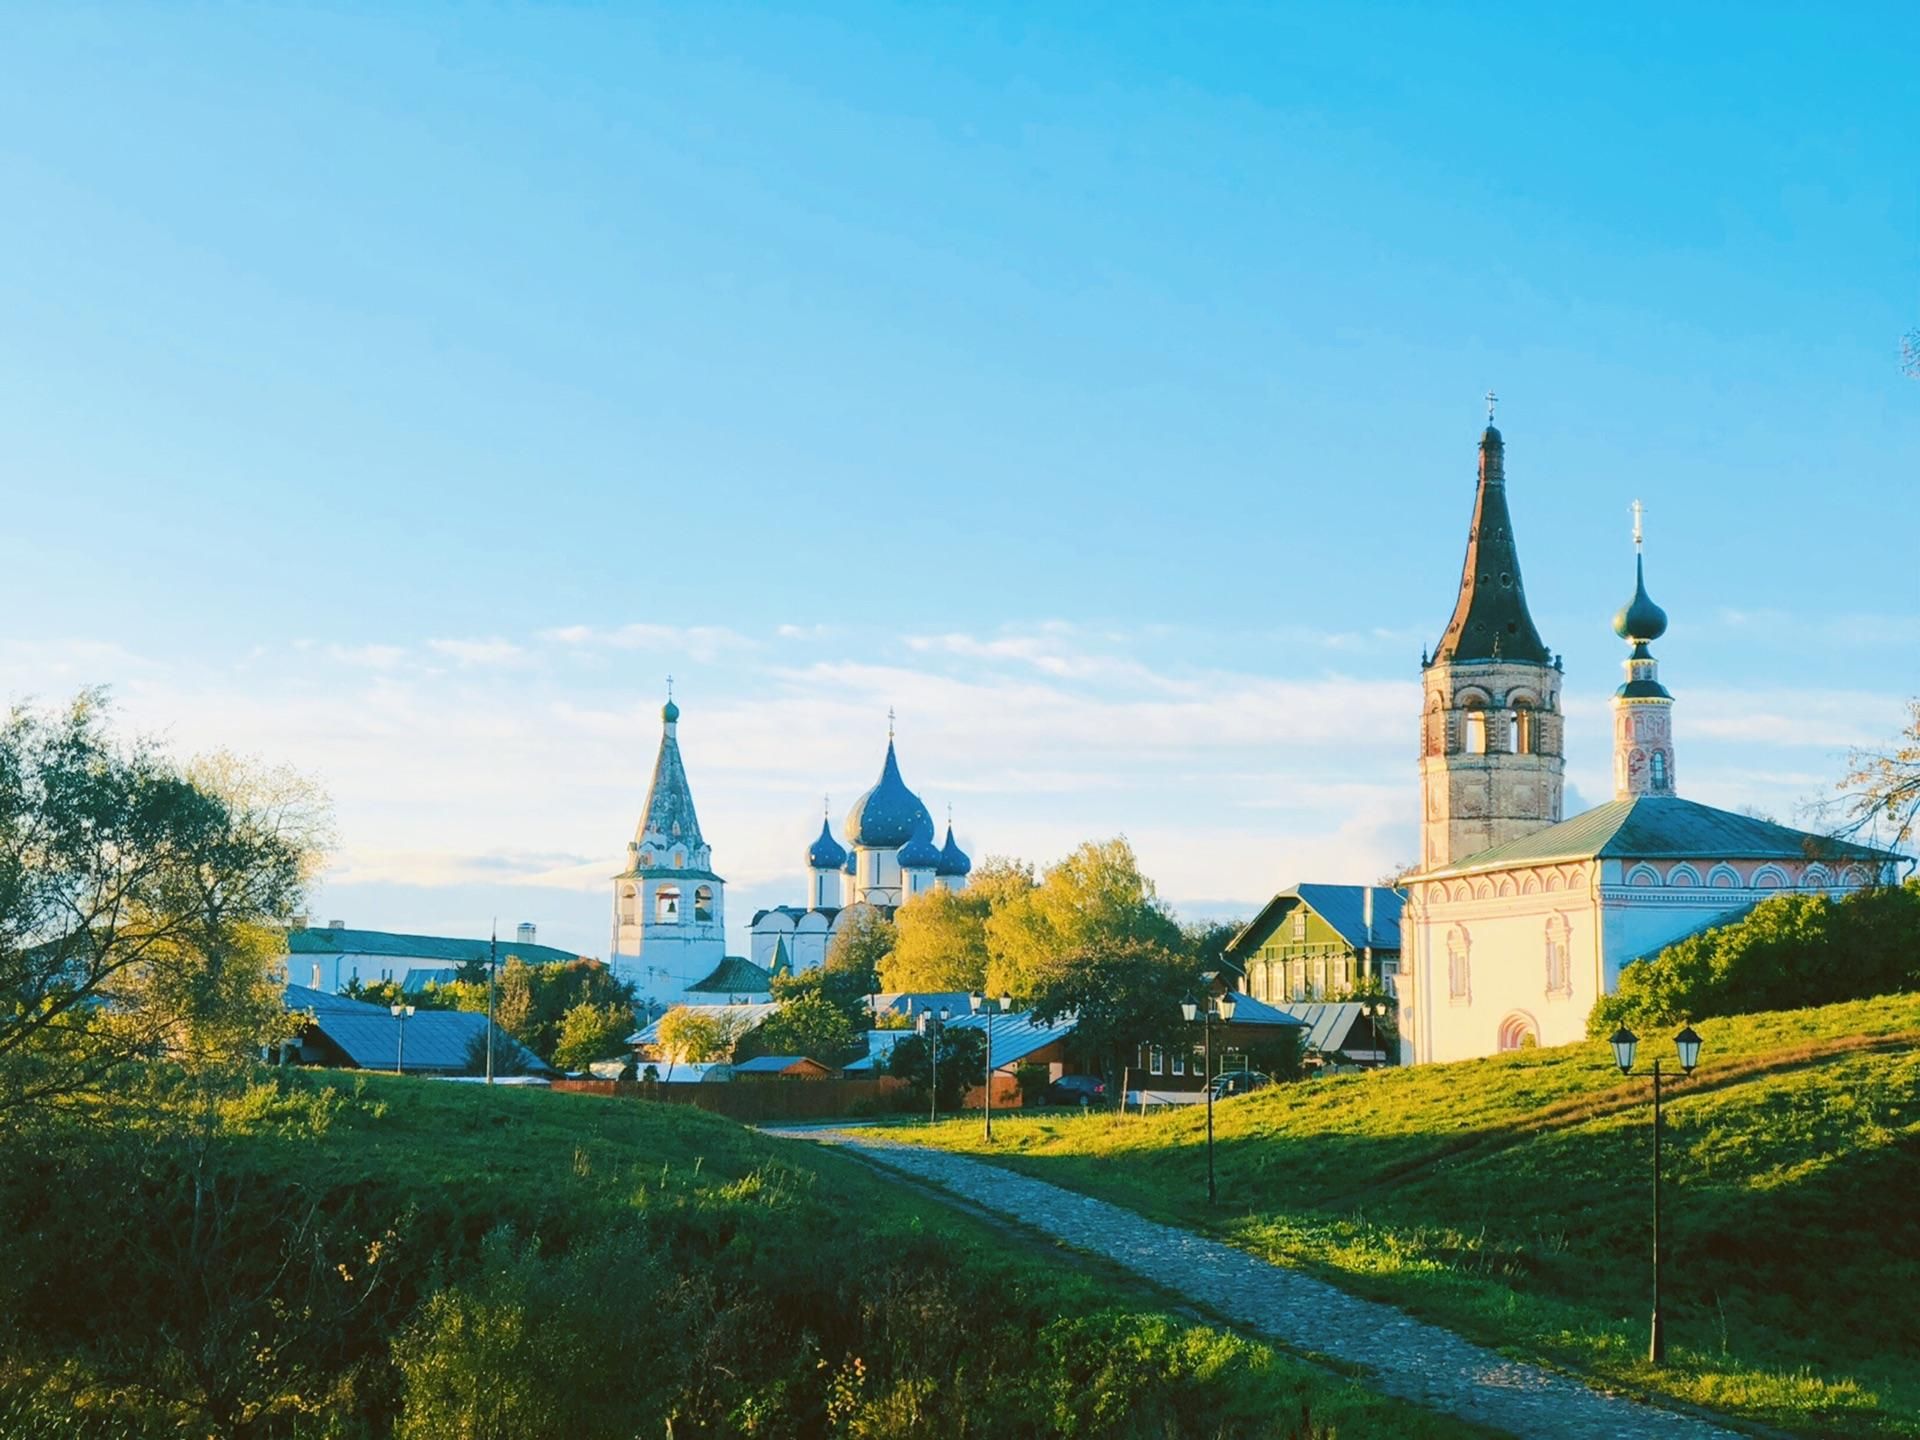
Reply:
x=1404, y=1357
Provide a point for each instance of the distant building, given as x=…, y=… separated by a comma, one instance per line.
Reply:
x=889, y=858
x=669, y=907
x=330, y=959
x=1517, y=920
x=342, y=1033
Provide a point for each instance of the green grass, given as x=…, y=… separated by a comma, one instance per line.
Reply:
x=1509, y=1198
x=723, y=1211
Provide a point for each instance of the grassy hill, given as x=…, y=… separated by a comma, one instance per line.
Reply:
x=356, y=1257
x=1510, y=1199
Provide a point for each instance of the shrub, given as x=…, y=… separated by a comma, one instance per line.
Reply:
x=1786, y=953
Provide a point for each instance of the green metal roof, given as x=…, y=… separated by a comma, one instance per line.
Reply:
x=735, y=975
x=313, y=941
x=666, y=872
x=1661, y=827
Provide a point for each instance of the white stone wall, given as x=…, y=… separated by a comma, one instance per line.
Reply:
x=1610, y=912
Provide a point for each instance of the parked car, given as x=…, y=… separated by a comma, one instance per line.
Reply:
x=1076, y=1090
x=1239, y=1082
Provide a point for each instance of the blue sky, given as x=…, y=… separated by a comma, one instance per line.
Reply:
x=403, y=392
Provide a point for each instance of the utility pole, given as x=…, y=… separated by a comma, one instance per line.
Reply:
x=493, y=958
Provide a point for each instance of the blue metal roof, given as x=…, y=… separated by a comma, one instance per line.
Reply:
x=953, y=860
x=887, y=816
x=826, y=853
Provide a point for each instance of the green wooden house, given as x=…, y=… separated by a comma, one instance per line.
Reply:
x=1319, y=942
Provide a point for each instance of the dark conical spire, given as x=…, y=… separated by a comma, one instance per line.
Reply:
x=669, y=811
x=1490, y=619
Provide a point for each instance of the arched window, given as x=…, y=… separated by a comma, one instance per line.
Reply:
x=1524, y=733
x=703, y=903
x=629, y=900
x=666, y=905
x=1476, y=730
x=1657, y=769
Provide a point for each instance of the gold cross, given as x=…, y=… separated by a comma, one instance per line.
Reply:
x=1639, y=511
x=1491, y=399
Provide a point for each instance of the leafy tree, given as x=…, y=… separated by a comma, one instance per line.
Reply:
x=941, y=937
x=138, y=905
x=1206, y=941
x=1124, y=995
x=696, y=1035
x=592, y=1031
x=812, y=1025
x=860, y=945
x=1883, y=786
x=1095, y=899
x=962, y=1063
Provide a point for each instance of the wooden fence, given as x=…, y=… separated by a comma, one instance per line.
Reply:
x=774, y=1100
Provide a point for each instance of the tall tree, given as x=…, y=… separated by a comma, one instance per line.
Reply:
x=810, y=1025
x=1096, y=899
x=590, y=1031
x=695, y=1035
x=140, y=906
x=1123, y=995
x=862, y=942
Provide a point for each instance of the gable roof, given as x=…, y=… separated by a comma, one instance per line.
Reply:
x=1329, y=1022
x=312, y=940
x=776, y=1064
x=1661, y=827
x=1344, y=907
x=1249, y=1011
x=305, y=997
x=369, y=1036
x=735, y=975
x=746, y=1015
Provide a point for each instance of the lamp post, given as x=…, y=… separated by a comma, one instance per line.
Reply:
x=1687, y=1044
x=986, y=1010
x=1375, y=1009
x=493, y=966
x=1205, y=1011
x=930, y=1025
x=400, y=1013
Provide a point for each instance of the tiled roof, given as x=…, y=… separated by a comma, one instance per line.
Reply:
x=1661, y=827
x=315, y=941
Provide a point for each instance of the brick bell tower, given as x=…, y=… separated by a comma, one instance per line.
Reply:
x=1491, y=758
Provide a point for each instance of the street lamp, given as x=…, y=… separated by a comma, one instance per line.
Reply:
x=400, y=1013
x=1375, y=1010
x=986, y=1010
x=930, y=1025
x=1206, y=1011
x=1687, y=1044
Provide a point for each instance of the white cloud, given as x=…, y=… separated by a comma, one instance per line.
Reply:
x=490, y=651
x=368, y=657
x=701, y=642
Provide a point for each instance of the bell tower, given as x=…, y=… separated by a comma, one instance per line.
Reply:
x=1491, y=760
x=1642, y=708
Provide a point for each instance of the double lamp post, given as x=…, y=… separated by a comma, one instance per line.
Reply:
x=1687, y=1044
x=1213, y=1007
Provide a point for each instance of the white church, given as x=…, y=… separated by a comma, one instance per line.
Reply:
x=669, y=912
x=1517, y=919
x=889, y=858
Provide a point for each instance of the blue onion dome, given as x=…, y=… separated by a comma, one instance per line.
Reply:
x=1641, y=620
x=669, y=713
x=920, y=853
x=889, y=814
x=825, y=853
x=852, y=867
x=953, y=860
